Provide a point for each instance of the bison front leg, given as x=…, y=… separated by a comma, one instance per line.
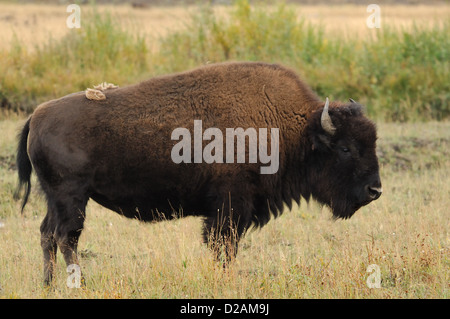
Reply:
x=223, y=230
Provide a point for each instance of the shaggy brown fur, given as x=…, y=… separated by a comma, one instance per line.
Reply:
x=117, y=151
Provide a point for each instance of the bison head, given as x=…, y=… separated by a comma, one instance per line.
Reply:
x=343, y=168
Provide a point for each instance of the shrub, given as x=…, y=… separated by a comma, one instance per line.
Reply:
x=401, y=75
x=99, y=51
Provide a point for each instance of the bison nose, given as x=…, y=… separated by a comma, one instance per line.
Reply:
x=374, y=192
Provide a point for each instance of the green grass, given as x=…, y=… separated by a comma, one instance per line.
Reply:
x=399, y=74
x=99, y=51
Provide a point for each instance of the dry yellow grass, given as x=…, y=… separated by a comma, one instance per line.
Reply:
x=34, y=24
x=302, y=254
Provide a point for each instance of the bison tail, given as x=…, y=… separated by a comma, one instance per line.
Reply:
x=23, y=164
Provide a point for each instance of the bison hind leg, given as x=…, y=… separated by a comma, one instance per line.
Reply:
x=49, y=246
x=62, y=227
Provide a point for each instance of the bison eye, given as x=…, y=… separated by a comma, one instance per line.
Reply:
x=344, y=153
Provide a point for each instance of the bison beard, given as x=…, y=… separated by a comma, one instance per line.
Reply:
x=117, y=151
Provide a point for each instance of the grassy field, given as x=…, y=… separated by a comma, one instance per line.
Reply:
x=399, y=71
x=302, y=254
x=34, y=23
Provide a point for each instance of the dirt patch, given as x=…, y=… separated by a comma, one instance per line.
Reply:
x=8, y=162
x=412, y=153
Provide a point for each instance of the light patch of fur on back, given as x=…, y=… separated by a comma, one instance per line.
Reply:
x=93, y=94
x=105, y=86
x=97, y=92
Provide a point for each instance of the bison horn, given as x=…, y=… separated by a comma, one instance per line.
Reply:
x=352, y=100
x=325, y=120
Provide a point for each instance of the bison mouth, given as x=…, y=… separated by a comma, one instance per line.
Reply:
x=346, y=207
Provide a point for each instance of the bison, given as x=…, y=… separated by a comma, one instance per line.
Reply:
x=117, y=151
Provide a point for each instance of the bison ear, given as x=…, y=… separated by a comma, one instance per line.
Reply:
x=321, y=142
